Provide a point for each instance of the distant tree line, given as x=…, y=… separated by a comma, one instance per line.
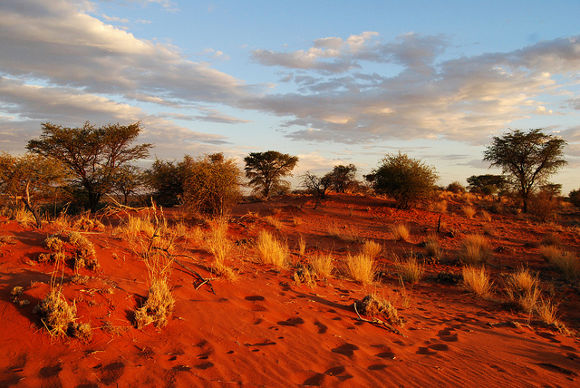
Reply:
x=84, y=164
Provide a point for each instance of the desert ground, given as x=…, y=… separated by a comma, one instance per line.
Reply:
x=262, y=325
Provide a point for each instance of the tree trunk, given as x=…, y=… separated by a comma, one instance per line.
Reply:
x=31, y=208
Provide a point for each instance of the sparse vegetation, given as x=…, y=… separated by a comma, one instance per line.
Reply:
x=400, y=232
x=361, y=268
x=432, y=246
x=565, y=262
x=220, y=247
x=475, y=249
x=475, y=279
x=272, y=251
x=523, y=288
x=371, y=249
x=345, y=232
x=322, y=264
x=469, y=211
x=375, y=306
x=410, y=269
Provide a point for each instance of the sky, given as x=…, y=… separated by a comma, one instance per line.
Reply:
x=333, y=82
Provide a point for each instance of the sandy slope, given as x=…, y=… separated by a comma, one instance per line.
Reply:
x=265, y=330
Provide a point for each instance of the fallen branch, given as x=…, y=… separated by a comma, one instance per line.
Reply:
x=378, y=322
x=200, y=279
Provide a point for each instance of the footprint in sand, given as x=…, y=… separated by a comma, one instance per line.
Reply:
x=255, y=298
x=292, y=322
x=447, y=335
x=110, y=373
x=346, y=349
x=322, y=328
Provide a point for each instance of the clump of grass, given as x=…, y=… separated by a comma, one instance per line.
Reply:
x=476, y=280
x=322, y=265
x=271, y=250
x=345, y=232
x=220, y=247
x=486, y=216
x=475, y=249
x=523, y=288
x=297, y=221
x=361, y=268
x=54, y=243
x=304, y=275
x=400, y=232
x=547, y=311
x=410, y=269
x=551, y=239
x=158, y=305
x=565, y=262
x=301, y=246
x=85, y=255
x=5, y=239
x=158, y=258
x=371, y=249
x=57, y=315
x=135, y=227
x=196, y=234
x=275, y=222
x=468, y=211
x=432, y=247
x=86, y=223
x=23, y=216
x=180, y=230
x=439, y=206
x=374, y=306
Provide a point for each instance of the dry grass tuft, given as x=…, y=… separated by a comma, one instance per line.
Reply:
x=275, y=222
x=410, y=269
x=272, y=251
x=220, y=247
x=158, y=305
x=468, y=211
x=371, y=249
x=22, y=216
x=476, y=280
x=135, y=227
x=301, y=246
x=400, y=232
x=475, y=249
x=375, y=306
x=156, y=251
x=432, y=247
x=304, y=275
x=57, y=315
x=196, y=234
x=523, y=288
x=486, y=216
x=547, y=311
x=565, y=262
x=297, y=221
x=361, y=268
x=439, y=206
x=86, y=223
x=322, y=265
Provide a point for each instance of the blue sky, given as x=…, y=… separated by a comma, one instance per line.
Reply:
x=330, y=81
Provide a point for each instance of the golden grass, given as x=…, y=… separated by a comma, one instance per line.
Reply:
x=297, y=221
x=301, y=246
x=196, y=234
x=220, y=247
x=272, y=251
x=432, y=247
x=156, y=251
x=322, y=264
x=371, y=249
x=410, y=269
x=486, y=216
x=275, y=222
x=523, y=288
x=134, y=227
x=57, y=316
x=439, y=206
x=158, y=305
x=476, y=280
x=361, y=268
x=180, y=230
x=345, y=233
x=86, y=223
x=468, y=211
x=547, y=311
x=400, y=232
x=23, y=216
x=475, y=249
x=565, y=262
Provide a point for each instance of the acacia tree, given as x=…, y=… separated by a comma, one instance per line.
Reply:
x=128, y=180
x=92, y=154
x=405, y=179
x=317, y=186
x=31, y=178
x=486, y=184
x=528, y=157
x=341, y=177
x=266, y=169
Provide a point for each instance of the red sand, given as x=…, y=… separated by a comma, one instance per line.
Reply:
x=263, y=329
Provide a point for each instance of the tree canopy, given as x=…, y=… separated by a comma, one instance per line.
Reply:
x=92, y=154
x=487, y=184
x=528, y=158
x=405, y=179
x=266, y=169
x=341, y=177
